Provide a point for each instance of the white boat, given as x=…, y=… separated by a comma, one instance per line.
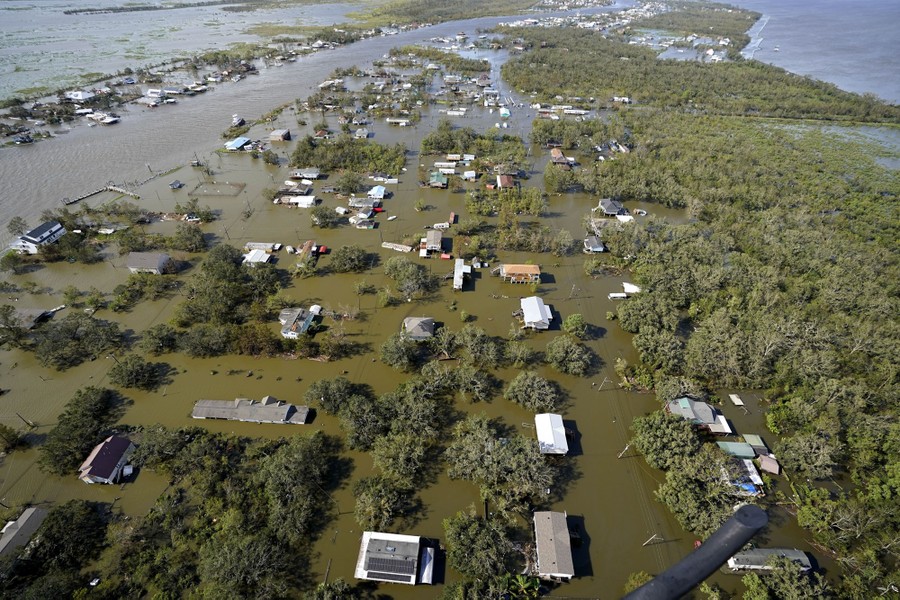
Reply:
x=236, y=120
x=392, y=217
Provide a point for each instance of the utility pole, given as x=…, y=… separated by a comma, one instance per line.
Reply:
x=26, y=421
x=654, y=537
x=624, y=450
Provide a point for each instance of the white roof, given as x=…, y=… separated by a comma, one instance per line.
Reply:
x=551, y=434
x=535, y=312
x=630, y=288
x=256, y=256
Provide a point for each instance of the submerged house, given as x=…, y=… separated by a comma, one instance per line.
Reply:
x=700, y=414
x=535, y=314
x=46, y=233
x=377, y=192
x=394, y=558
x=437, y=180
x=296, y=321
x=267, y=410
x=611, y=208
x=156, y=263
x=280, y=135
x=238, y=143
x=18, y=533
x=553, y=546
x=551, y=434
x=757, y=559
x=105, y=462
x=418, y=329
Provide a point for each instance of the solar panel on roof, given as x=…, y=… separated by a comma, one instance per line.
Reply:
x=391, y=565
x=387, y=576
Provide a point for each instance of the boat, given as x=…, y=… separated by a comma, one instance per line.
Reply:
x=237, y=121
x=392, y=217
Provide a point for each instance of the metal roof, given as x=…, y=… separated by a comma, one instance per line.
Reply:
x=104, y=458
x=418, y=328
x=18, y=533
x=268, y=410
x=551, y=434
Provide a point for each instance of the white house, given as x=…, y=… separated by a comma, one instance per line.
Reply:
x=535, y=314
x=377, y=193
x=394, y=558
x=47, y=233
x=551, y=434
x=105, y=462
x=255, y=257
x=79, y=95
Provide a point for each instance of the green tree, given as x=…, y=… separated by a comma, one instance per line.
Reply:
x=17, y=226
x=403, y=456
x=11, y=261
x=477, y=547
x=664, y=439
x=159, y=339
x=381, y=501
x=399, y=352
x=566, y=355
x=348, y=183
x=77, y=430
x=412, y=279
x=531, y=391
x=74, y=339
x=352, y=259
x=812, y=455
x=575, y=325
x=334, y=590
x=331, y=394
x=134, y=372
x=70, y=536
x=10, y=439
x=12, y=333
x=786, y=580
x=188, y=238
x=324, y=217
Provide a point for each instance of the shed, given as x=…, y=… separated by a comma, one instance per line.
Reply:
x=738, y=449
x=280, y=135
x=418, y=328
x=768, y=464
x=18, y=533
x=535, y=313
x=237, y=143
x=554, y=549
x=149, y=262
x=757, y=443
x=255, y=257
x=389, y=557
x=105, y=462
x=551, y=434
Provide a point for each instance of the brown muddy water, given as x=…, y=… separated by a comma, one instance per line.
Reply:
x=613, y=496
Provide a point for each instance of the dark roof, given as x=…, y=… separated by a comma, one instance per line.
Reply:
x=40, y=230
x=106, y=455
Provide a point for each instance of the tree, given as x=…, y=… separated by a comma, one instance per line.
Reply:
x=786, y=580
x=159, y=339
x=334, y=590
x=402, y=456
x=17, y=226
x=575, y=325
x=813, y=455
x=348, y=183
x=12, y=333
x=74, y=339
x=480, y=348
x=568, y=356
x=188, y=238
x=11, y=261
x=331, y=394
x=399, y=352
x=324, y=217
x=135, y=372
x=380, y=501
x=477, y=547
x=412, y=279
x=664, y=439
x=77, y=430
x=70, y=536
x=531, y=391
x=351, y=259
x=10, y=439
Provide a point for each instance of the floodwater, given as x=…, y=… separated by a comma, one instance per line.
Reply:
x=613, y=496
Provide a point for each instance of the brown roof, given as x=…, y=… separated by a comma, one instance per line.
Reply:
x=510, y=269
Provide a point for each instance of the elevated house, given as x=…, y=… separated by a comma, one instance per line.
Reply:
x=518, y=273
x=553, y=546
x=551, y=434
x=267, y=410
x=46, y=233
x=394, y=558
x=418, y=329
x=156, y=263
x=105, y=462
x=296, y=321
x=460, y=270
x=535, y=314
x=700, y=414
x=19, y=532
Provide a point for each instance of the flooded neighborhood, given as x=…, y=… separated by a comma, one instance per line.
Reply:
x=404, y=223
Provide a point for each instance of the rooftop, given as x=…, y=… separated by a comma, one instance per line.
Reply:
x=554, y=549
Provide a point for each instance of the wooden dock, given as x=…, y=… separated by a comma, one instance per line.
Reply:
x=106, y=188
